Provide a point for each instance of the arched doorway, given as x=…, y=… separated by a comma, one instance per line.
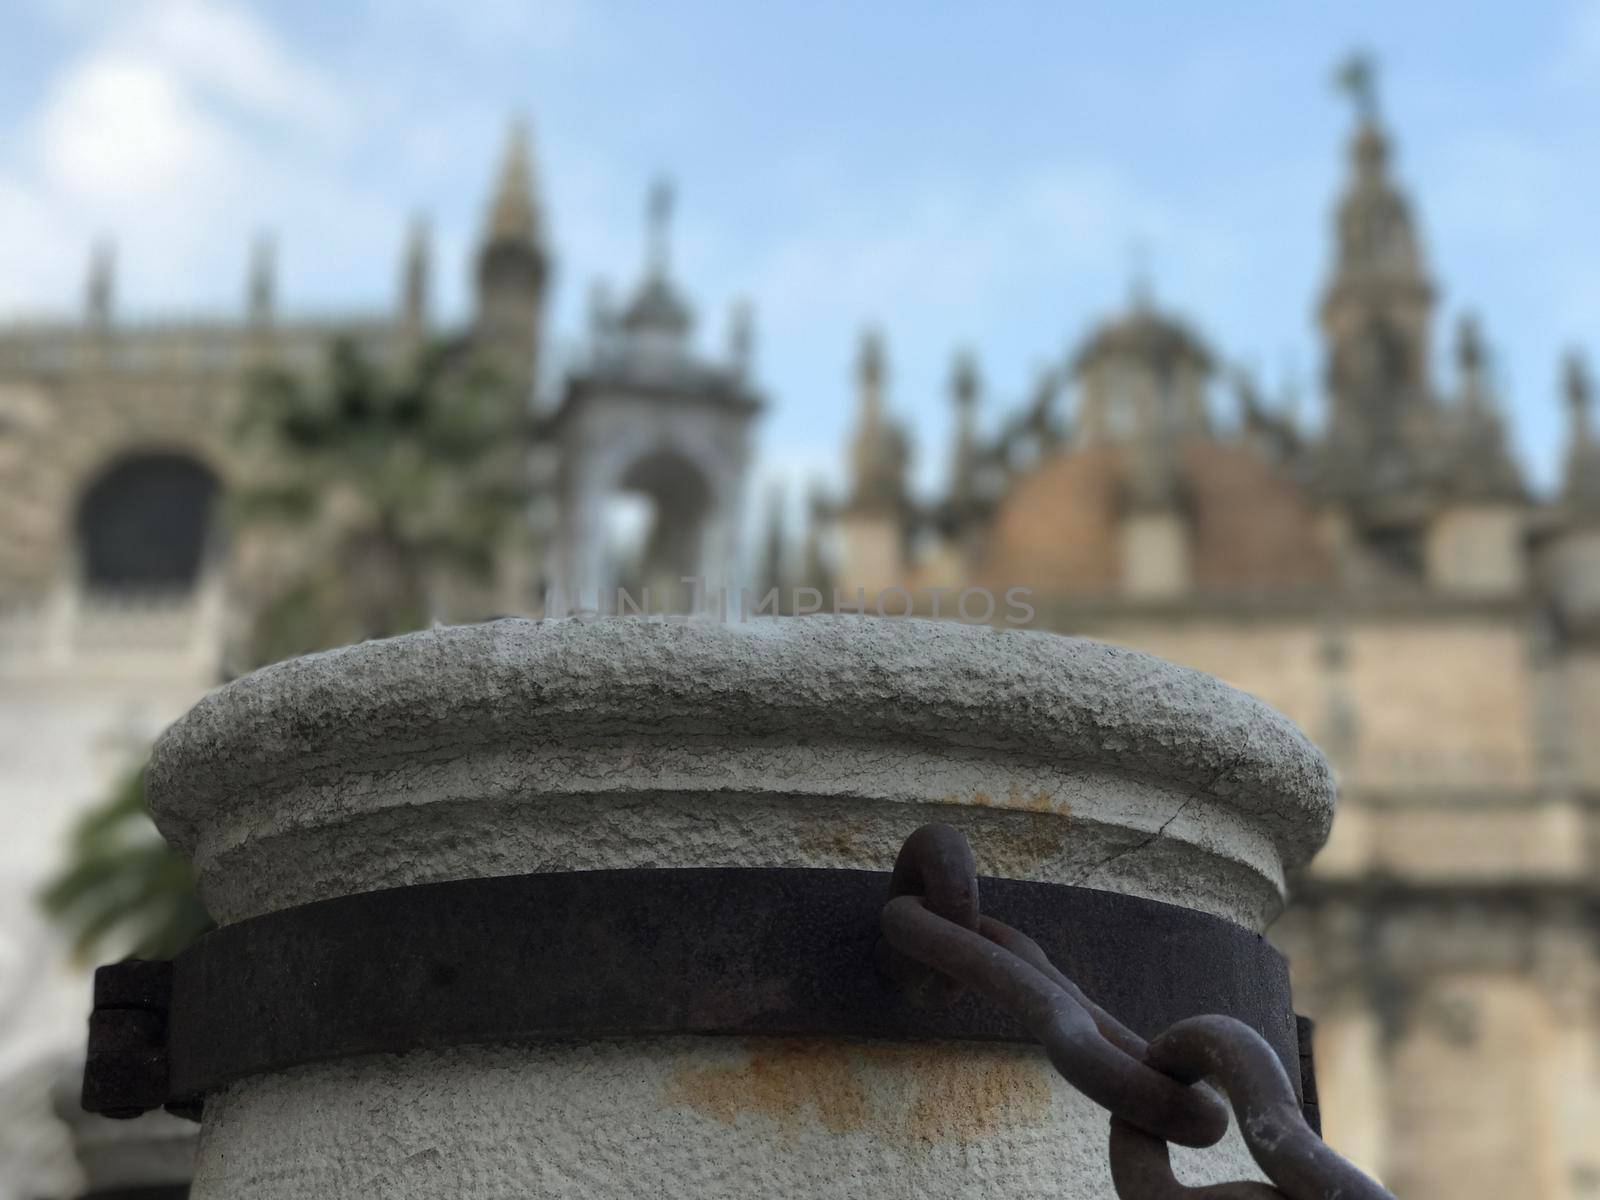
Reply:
x=146, y=525
x=656, y=529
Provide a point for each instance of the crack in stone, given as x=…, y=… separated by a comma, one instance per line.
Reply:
x=1134, y=849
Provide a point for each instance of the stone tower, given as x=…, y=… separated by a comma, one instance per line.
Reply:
x=1388, y=579
x=650, y=443
x=1574, y=552
x=513, y=271
x=965, y=386
x=1376, y=316
x=1581, y=484
x=416, y=280
x=873, y=520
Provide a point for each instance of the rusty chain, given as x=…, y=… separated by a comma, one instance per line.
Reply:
x=937, y=943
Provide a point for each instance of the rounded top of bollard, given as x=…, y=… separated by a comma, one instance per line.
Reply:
x=547, y=685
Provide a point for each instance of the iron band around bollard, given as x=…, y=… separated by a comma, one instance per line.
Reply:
x=597, y=954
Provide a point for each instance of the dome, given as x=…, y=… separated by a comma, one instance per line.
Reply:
x=657, y=308
x=1146, y=335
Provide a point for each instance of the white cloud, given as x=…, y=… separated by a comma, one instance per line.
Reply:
x=117, y=131
x=178, y=129
x=225, y=52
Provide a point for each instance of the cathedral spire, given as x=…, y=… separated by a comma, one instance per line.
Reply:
x=99, y=294
x=1470, y=367
x=878, y=449
x=658, y=222
x=1581, y=487
x=1377, y=238
x=261, y=289
x=513, y=212
x=964, y=389
x=814, y=571
x=1376, y=311
x=1481, y=464
x=741, y=337
x=512, y=268
x=1579, y=397
x=774, y=551
x=658, y=314
x=870, y=370
x=416, y=272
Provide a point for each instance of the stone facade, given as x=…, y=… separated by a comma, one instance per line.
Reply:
x=1389, y=583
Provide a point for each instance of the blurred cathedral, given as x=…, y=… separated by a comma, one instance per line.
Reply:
x=122, y=592
x=1391, y=584
x=1388, y=580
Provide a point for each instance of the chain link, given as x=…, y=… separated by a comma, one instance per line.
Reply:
x=937, y=943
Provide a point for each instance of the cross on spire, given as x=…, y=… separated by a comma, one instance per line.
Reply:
x=1357, y=77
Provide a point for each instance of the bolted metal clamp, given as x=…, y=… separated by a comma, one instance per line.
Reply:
x=126, y=1073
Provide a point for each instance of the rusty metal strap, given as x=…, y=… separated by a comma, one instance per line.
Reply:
x=627, y=953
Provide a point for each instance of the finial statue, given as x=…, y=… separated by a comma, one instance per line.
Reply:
x=602, y=317
x=659, y=216
x=742, y=336
x=1248, y=393
x=262, y=285
x=102, y=268
x=1046, y=385
x=414, y=273
x=1357, y=77
x=964, y=379
x=1289, y=391
x=870, y=364
x=1469, y=344
x=1575, y=382
x=1139, y=288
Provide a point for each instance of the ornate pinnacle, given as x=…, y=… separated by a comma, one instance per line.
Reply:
x=1575, y=381
x=658, y=213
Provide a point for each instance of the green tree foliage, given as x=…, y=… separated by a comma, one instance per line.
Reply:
x=123, y=887
x=393, y=485
x=384, y=487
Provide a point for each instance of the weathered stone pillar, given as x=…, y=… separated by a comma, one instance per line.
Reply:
x=523, y=746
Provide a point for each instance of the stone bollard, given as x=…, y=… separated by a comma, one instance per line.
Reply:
x=607, y=743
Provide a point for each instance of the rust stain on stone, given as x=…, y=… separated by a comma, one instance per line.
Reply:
x=963, y=1101
x=1034, y=838
x=1017, y=799
x=899, y=1093
x=837, y=842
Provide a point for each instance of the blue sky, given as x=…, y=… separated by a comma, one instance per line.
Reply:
x=964, y=175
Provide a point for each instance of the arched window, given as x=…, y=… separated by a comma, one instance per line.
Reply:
x=145, y=524
x=656, y=524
